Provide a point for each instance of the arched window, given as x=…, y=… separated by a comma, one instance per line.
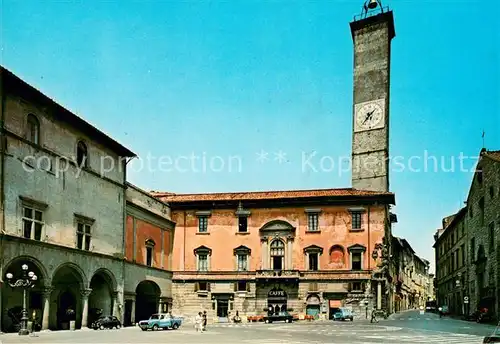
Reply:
x=277, y=254
x=337, y=259
x=33, y=129
x=150, y=244
x=81, y=154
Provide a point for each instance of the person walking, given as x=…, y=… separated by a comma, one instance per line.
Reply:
x=204, y=319
x=197, y=322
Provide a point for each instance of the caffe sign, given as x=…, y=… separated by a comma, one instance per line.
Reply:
x=276, y=293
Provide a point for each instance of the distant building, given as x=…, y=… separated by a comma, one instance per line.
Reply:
x=413, y=283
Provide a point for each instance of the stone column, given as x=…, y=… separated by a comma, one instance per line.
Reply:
x=265, y=256
x=85, y=302
x=132, y=316
x=46, y=307
x=379, y=295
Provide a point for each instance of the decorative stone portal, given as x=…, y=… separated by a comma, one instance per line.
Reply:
x=101, y=298
x=69, y=300
x=276, y=301
x=146, y=300
x=12, y=298
x=313, y=305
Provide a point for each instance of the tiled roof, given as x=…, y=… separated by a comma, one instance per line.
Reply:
x=266, y=195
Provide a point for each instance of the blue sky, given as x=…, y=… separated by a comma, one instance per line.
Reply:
x=226, y=80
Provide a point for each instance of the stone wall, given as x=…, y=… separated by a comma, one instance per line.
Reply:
x=35, y=172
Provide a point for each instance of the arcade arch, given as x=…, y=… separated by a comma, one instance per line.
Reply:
x=147, y=300
x=12, y=298
x=68, y=296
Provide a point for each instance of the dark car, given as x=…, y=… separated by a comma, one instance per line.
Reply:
x=281, y=316
x=106, y=322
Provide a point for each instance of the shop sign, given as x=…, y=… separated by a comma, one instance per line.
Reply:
x=276, y=293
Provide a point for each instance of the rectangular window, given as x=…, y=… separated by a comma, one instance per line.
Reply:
x=202, y=262
x=32, y=223
x=242, y=262
x=491, y=236
x=83, y=236
x=462, y=248
x=356, y=261
x=202, y=286
x=202, y=224
x=356, y=219
x=313, y=262
x=242, y=224
x=313, y=223
x=357, y=286
x=242, y=286
x=149, y=255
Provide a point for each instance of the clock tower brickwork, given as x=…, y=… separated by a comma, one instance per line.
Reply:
x=372, y=60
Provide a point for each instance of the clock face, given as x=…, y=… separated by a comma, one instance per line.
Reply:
x=370, y=115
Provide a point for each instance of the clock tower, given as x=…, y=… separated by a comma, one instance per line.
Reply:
x=372, y=33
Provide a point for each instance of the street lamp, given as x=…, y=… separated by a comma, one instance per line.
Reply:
x=26, y=281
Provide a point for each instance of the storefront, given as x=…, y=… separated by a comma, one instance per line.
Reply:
x=277, y=300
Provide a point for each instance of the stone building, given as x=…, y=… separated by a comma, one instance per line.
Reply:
x=413, y=283
x=307, y=252
x=467, y=248
x=483, y=208
x=64, y=204
x=451, y=263
x=303, y=251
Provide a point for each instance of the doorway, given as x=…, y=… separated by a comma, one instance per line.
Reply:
x=222, y=308
x=127, y=321
x=66, y=310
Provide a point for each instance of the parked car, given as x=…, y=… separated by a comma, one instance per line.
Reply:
x=281, y=316
x=160, y=321
x=443, y=310
x=343, y=314
x=106, y=322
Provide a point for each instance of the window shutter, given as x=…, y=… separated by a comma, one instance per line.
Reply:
x=235, y=286
x=196, y=286
x=208, y=286
x=248, y=286
x=349, y=287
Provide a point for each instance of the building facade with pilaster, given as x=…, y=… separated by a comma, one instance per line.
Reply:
x=258, y=253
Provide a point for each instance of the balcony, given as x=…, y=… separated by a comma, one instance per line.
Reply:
x=277, y=274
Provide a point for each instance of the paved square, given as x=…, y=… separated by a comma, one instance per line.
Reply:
x=296, y=333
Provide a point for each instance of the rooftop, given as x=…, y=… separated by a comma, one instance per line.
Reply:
x=64, y=115
x=267, y=195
